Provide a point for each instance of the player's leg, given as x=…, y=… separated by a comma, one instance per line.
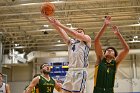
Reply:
x=67, y=85
x=79, y=84
x=64, y=91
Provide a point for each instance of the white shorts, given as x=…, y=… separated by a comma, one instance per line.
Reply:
x=75, y=80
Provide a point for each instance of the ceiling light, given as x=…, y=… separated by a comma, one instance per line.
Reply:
x=20, y=47
x=59, y=41
x=73, y=28
x=134, y=41
x=60, y=45
x=16, y=44
x=41, y=3
x=135, y=37
x=134, y=25
x=30, y=4
x=46, y=26
x=45, y=29
x=68, y=24
x=58, y=1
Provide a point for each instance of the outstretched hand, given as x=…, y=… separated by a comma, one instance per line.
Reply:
x=107, y=20
x=115, y=29
x=53, y=21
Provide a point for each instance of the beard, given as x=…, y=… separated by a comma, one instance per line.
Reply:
x=46, y=72
x=110, y=56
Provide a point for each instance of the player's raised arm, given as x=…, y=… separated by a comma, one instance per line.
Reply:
x=32, y=85
x=61, y=32
x=125, y=49
x=97, y=43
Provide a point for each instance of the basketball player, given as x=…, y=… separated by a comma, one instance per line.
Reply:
x=4, y=88
x=44, y=82
x=78, y=50
x=35, y=89
x=107, y=61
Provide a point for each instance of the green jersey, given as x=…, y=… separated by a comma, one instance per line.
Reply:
x=34, y=90
x=104, y=77
x=46, y=86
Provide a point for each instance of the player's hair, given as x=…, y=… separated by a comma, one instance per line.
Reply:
x=41, y=66
x=116, y=53
x=36, y=75
x=80, y=29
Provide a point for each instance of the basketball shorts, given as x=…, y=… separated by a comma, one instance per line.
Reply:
x=75, y=80
x=103, y=90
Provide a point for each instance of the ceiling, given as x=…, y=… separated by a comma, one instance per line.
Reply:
x=22, y=25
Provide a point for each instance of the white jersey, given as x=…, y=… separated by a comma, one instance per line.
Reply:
x=3, y=88
x=78, y=54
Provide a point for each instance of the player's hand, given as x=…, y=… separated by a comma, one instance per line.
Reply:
x=53, y=20
x=107, y=20
x=115, y=29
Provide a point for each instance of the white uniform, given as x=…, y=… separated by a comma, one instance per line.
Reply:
x=3, y=88
x=78, y=61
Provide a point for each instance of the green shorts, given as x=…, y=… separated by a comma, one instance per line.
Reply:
x=103, y=90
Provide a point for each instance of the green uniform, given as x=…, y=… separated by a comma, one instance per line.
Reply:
x=34, y=90
x=46, y=86
x=104, y=77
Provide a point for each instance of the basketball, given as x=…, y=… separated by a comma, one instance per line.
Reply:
x=47, y=9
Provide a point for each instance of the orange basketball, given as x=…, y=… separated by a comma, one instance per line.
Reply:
x=47, y=8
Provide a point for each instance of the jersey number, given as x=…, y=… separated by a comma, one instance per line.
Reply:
x=48, y=89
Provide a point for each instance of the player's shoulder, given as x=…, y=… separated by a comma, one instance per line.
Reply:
x=7, y=85
x=53, y=78
x=87, y=36
x=72, y=40
x=37, y=77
